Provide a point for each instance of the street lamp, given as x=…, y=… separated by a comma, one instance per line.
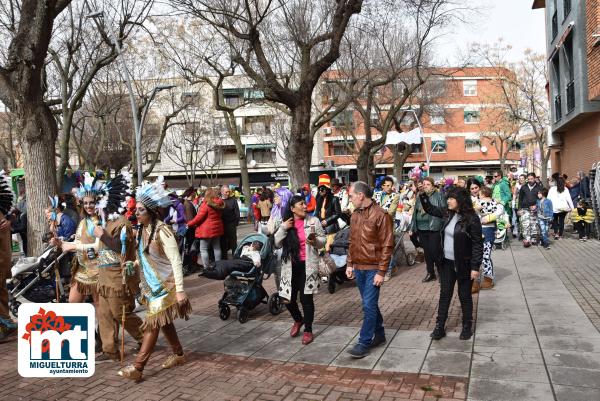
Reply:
x=137, y=124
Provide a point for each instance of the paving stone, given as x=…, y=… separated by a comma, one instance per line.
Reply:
x=280, y=349
x=452, y=343
x=504, y=390
x=525, y=356
x=338, y=334
x=571, y=343
x=402, y=360
x=582, y=330
x=575, y=376
x=497, y=369
x=573, y=359
x=506, y=340
x=447, y=363
x=318, y=353
x=570, y=393
x=416, y=339
x=503, y=328
x=345, y=360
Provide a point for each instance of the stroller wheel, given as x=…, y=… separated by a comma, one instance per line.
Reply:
x=274, y=304
x=242, y=315
x=224, y=312
x=331, y=286
x=14, y=307
x=411, y=258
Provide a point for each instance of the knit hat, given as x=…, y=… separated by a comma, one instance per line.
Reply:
x=324, y=181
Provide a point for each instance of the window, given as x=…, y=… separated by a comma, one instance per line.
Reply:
x=556, y=88
x=257, y=125
x=469, y=88
x=408, y=119
x=343, y=120
x=471, y=116
x=515, y=147
x=228, y=156
x=472, y=145
x=341, y=148
x=374, y=117
x=190, y=98
x=150, y=157
x=265, y=155
x=554, y=24
x=570, y=73
x=438, y=146
x=437, y=119
x=231, y=100
x=566, y=8
x=416, y=148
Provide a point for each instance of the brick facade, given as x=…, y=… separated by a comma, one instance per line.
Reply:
x=581, y=147
x=454, y=130
x=592, y=27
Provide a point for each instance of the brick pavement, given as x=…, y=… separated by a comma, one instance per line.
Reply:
x=405, y=302
x=577, y=265
x=209, y=376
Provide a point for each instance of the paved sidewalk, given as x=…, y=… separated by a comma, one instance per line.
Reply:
x=533, y=341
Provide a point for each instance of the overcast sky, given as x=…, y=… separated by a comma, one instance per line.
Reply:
x=512, y=20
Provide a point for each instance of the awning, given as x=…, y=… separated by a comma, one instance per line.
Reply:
x=538, y=4
x=562, y=39
x=261, y=146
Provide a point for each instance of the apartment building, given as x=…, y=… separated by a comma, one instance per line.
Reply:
x=573, y=51
x=455, y=134
x=263, y=131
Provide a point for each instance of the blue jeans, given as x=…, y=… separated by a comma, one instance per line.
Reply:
x=544, y=226
x=373, y=321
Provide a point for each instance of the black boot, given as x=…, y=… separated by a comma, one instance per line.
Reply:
x=439, y=331
x=428, y=278
x=467, y=330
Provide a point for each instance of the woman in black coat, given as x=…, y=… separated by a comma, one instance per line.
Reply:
x=328, y=210
x=462, y=246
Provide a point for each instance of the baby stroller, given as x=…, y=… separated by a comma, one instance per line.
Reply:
x=339, y=254
x=529, y=225
x=245, y=290
x=502, y=230
x=37, y=279
x=400, y=253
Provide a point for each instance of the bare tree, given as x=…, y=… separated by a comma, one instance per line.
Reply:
x=523, y=92
x=27, y=30
x=284, y=47
x=79, y=50
x=384, y=67
x=209, y=62
x=9, y=141
x=191, y=145
x=499, y=127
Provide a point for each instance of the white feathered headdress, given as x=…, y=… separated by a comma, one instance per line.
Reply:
x=153, y=195
x=90, y=187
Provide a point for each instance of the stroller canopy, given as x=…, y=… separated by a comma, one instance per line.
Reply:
x=265, y=251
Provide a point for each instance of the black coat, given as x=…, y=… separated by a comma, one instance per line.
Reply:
x=333, y=211
x=468, y=240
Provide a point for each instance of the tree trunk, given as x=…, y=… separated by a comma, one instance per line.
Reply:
x=363, y=163
x=64, y=149
x=299, y=150
x=402, y=151
x=40, y=132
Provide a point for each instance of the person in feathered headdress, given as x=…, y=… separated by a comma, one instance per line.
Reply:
x=7, y=326
x=114, y=250
x=161, y=279
x=104, y=243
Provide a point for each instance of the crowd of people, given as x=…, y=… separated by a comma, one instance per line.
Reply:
x=140, y=244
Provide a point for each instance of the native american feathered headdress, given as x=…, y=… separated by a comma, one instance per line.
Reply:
x=90, y=187
x=114, y=195
x=6, y=195
x=153, y=195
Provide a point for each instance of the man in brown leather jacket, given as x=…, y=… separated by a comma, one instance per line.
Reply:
x=369, y=254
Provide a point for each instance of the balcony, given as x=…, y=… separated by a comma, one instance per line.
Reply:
x=570, y=97
x=566, y=8
x=554, y=24
x=557, y=108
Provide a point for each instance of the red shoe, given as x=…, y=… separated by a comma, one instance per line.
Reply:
x=526, y=244
x=296, y=329
x=307, y=338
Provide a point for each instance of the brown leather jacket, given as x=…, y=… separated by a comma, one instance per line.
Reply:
x=371, y=239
